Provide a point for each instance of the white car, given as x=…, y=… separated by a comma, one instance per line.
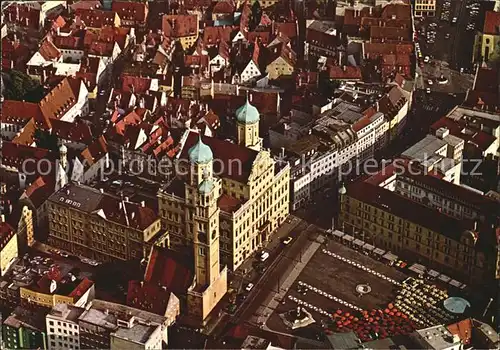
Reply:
x=429, y=81
x=427, y=59
x=264, y=256
x=249, y=287
x=454, y=20
x=287, y=240
x=428, y=90
x=64, y=254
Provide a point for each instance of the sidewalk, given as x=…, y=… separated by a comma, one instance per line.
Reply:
x=264, y=311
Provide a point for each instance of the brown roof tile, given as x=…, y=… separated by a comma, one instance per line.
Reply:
x=226, y=152
x=178, y=26
x=212, y=35
x=492, y=23
x=131, y=10
x=49, y=51
x=96, y=18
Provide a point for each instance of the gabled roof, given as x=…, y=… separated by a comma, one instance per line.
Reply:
x=178, y=26
x=169, y=269
x=226, y=153
x=96, y=18
x=492, y=23
x=149, y=297
x=94, y=152
x=131, y=10
x=213, y=35
x=49, y=51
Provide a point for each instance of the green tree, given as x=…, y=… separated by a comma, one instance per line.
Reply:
x=17, y=84
x=46, y=140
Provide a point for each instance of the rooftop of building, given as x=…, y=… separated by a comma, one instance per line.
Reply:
x=92, y=201
x=437, y=337
x=25, y=318
x=68, y=313
x=107, y=314
x=412, y=211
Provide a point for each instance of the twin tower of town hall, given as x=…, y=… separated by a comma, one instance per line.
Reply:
x=224, y=203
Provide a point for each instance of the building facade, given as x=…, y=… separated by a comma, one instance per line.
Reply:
x=411, y=229
x=424, y=8
x=63, y=331
x=8, y=246
x=88, y=222
x=254, y=194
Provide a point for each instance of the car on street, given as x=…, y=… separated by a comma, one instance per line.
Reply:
x=287, y=240
x=64, y=254
x=454, y=20
x=264, y=256
x=249, y=287
x=428, y=90
x=429, y=81
x=447, y=36
x=426, y=59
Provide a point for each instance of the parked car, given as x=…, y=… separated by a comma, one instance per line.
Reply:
x=64, y=254
x=454, y=20
x=264, y=256
x=249, y=287
x=429, y=81
x=427, y=59
x=287, y=240
x=428, y=90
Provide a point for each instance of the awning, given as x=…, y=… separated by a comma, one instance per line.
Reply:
x=348, y=238
x=359, y=242
x=433, y=273
x=391, y=257
x=455, y=283
x=379, y=251
x=368, y=247
x=444, y=278
x=338, y=233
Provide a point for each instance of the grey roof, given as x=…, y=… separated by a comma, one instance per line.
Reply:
x=83, y=198
x=139, y=333
x=343, y=340
x=424, y=149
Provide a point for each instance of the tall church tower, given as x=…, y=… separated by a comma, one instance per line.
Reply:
x=204, y=191
x=247, y=122
x=202, y=226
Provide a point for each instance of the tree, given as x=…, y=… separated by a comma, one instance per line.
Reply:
x=17, y=84
x=46, y=140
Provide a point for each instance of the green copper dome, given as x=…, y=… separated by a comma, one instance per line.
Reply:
x=206, y=186
x=200, y=153
x=247, y=114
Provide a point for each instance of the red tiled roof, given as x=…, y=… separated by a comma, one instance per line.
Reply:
x=100, y=48
x=178, y=26
x=390, y=33
x=397, y=11
x=196, y=60
x=226, y=153
x=68, y=42
x=136, y=84
x=228, y=203
x=6, y=233
x=492, y=23
x=473, y=136
x=463, y=329
x=23, y=15
x=288, y=29
x=81, y=288
x=60, y=99
x=166, y=269
x=15, y=155
x=223, y=7
x=263, y=36
x=40, y=190
x=20, y=112
x=347, y=72
x=96, y=18
x=85, y=4
x=95, y=151
x=131, y=10
x=377, y=49
x=49, y=51
x=212, y=35
x=149, y=297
